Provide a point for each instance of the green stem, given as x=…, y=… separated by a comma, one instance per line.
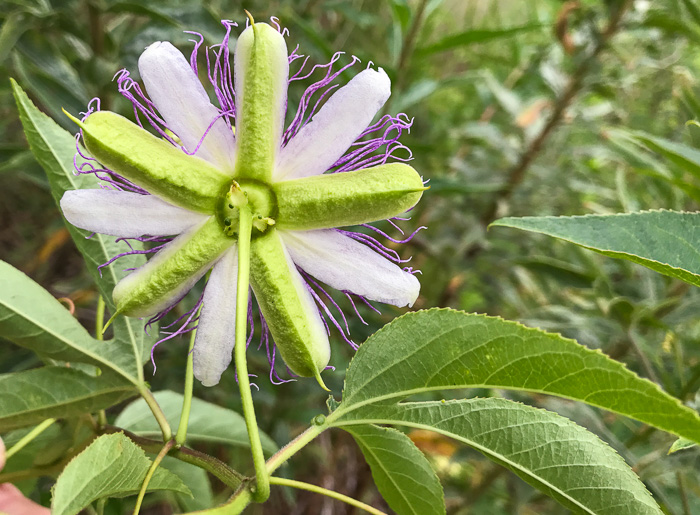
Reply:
x=166, y=448
x=100, y=318
x=289, y=450
x=31, y=435
x=187, y=401
x=328, y=493
x=157, y=412
x=262, y=488
x=223, y=472
x=243, y=497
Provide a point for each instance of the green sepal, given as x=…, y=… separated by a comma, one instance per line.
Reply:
x=172, y=272
x=279, y=295
x=261, y=60
x=152, y=163
x=348, y=198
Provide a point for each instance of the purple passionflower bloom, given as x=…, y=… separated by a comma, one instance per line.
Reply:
x=327, y=169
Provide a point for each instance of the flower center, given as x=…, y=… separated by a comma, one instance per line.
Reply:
x=260, y=199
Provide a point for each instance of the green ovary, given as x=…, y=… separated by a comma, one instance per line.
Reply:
x=259, y=197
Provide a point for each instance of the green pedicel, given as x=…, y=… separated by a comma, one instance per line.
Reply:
x=348, y=198
x=262, y=52
x=152, y=163
x=171, y=272
x=277, y=290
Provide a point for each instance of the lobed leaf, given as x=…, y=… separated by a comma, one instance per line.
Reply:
x=111, y=466
x=442, y=349
x=668, y=242
x=32, y=396
x=548, y=451
x=208, y=422
x=401, y=472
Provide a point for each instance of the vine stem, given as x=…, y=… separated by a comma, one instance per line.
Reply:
x=181, y=434
x=262, y=478
x=300, y=485
x=157, y=412
x=242, y=498
x=99, y=327
x=166, y=448
x=31, y=435
x=100, y=318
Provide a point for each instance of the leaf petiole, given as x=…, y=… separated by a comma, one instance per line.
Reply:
x=163, y=452
x=26, y=439
x=157, y=412
x=328, y=493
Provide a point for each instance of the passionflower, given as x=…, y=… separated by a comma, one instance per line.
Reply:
x=207, y=161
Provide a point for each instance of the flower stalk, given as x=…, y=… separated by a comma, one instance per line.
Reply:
x=245, y=227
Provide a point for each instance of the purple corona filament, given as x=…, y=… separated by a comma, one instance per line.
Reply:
x=377, y=145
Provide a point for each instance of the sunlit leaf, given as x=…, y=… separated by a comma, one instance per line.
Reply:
x=442, y=349
x=668, y=242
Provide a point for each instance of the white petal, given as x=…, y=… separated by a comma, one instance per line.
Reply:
x=126, y=214
x=184, y=104
x=213, y=344
x=337, y=125
x=348, y=265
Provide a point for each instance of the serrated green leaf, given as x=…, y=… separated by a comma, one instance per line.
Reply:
x=111, y=466
x=668, y=242
x=51, y=392
x=208, y=422
x=54, y=149
x=681, y=444
x=400, y=470
x=442, y=349
x=550, y=452
x=30, y=317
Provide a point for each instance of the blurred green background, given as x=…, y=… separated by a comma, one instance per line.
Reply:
x=520, y=107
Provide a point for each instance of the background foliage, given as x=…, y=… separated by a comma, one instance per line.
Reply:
x=521, y=108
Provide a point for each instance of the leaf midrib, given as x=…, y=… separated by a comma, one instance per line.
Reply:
x=386, y=473
x=69, y=343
